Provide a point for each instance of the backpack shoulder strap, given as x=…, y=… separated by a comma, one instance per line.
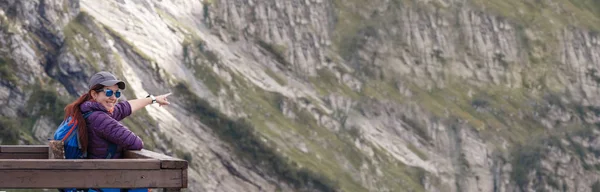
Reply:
x=112, y=149
x=87, y=114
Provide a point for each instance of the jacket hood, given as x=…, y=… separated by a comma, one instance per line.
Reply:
x=92, y=106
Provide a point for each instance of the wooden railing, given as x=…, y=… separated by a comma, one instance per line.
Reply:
x=29, y=167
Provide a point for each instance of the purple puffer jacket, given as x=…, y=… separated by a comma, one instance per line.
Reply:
x=104, y=127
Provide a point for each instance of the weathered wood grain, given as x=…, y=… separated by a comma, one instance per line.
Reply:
x=24, y=155
x=79, y=164
x=33, y=179
x=23, y=148
x=167, y=162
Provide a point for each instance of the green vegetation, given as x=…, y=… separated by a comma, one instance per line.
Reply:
x=89, y=44
x=330, y=154
x=511, y=114
x=184, y=155
x=278, y=51
x=45, y=101
x=538, y=25
x=417, y=152
x=281, y=80
x=7, y=71
x=10, y=131
x=526, y=158
x=117, y=36
x=247, y=144
x=200, y=60
x=543, y=15
x=348, y=25
x=326, y=82
x=174, y=23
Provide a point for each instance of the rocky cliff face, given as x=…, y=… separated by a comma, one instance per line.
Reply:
x=327, y=95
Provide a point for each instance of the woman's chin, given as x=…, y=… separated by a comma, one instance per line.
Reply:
x=109, y=107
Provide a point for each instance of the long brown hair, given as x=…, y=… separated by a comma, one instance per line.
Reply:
x=72, y=110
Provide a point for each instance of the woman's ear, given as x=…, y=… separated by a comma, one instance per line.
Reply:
x=94, y=94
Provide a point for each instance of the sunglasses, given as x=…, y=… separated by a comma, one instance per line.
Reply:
x=109, y=93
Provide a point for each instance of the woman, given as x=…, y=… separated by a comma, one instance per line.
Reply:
x=101, y=131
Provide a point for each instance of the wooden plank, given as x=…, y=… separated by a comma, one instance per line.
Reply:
x=171, y=190
x=24, y=155
x=134, y=154
x=184, y=178
x=72, y=164
x=24, y=148
x=167, y=162
x=19, y=179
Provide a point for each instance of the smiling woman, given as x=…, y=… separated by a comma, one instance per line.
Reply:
x=96, y=115
x=102, y=129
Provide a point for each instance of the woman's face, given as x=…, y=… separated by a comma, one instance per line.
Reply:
x=107, y=101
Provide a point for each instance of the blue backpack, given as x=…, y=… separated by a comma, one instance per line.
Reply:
x=67, y=132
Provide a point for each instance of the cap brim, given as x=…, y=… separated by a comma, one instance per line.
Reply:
x=119, y=83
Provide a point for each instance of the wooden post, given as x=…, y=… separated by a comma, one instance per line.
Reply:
x=56, y=149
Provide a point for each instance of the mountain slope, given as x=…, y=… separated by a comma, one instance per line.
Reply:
x=339, y=95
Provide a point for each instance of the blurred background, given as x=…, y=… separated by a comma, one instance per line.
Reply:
x=326, y=95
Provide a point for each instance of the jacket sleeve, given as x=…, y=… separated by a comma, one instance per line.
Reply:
x=122, y=110
x=113, y=131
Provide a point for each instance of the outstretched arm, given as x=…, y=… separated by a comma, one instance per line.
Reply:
x=137, y=104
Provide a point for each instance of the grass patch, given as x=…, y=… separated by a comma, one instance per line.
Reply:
x=417, y=152
x=418, y=127
x=326, y=82
x=281, y=80
x=493, y=110
x=382, y=90
x=330, y=155
x=78, y=28
x=398, y=175
x=336, y=151
x=247, y=144
x=526, y=159
x=348, y=23
x=542, y=15
x=10, y=131
x=278, y=51
x=117, y=36
x=196, y=57
x=45, y=101
x=184, y=155
x=7, y=71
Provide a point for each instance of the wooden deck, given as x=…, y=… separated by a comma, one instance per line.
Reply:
x=29, y=167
